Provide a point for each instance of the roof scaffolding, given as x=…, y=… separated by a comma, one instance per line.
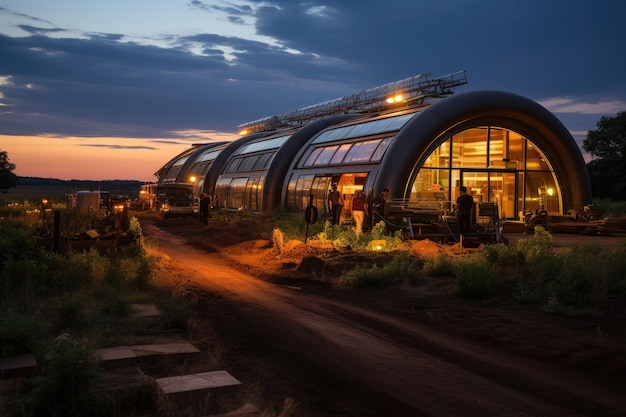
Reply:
x=410, y=92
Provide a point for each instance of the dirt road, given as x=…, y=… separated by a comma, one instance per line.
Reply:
x=337, y=355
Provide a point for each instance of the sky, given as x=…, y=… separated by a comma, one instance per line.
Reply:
x=114, y=89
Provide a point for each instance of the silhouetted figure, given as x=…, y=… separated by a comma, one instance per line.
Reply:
x=464, y=206
x=205, y=202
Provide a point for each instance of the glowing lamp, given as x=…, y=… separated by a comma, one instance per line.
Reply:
x=378, y=245
x=398, y=98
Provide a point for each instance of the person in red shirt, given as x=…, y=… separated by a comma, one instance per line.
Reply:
x=357, y=208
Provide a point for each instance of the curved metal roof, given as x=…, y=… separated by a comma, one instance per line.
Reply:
x=433, y=125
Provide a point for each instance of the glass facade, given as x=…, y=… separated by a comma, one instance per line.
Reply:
x=241, y=183
x=496, y=165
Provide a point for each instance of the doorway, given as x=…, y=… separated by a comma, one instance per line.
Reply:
x=493, y=187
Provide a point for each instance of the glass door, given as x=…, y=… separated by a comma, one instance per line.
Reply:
x=492, y=187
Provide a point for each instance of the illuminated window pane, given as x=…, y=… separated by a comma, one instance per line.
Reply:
x=497, y=147
x=380, y=150
x=469, y=149
x=535, y=159
x=341, y=152
x=440, y=158
x=362, y=151
x=311, y=159
x=326, y=155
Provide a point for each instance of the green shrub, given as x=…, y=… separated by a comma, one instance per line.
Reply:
x=69, y=373
x=440, y=266
x=508, y=260
x=71, y=309
x=401, y=269
x=20, y=332
x=474, y=278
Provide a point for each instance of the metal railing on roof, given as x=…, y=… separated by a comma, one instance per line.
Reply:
x=414, y=91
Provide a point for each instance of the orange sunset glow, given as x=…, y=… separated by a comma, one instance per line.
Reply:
x=93, y=158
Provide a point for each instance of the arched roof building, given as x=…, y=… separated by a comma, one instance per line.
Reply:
x=504, y=148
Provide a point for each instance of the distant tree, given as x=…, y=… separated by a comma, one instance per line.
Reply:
x=607, y=146
x=7, y=178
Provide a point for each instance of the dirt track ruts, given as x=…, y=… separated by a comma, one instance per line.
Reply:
x=337, y=358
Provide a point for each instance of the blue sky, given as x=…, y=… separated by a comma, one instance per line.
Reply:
x=180, y=72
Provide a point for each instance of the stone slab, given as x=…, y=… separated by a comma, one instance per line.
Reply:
x=164, y=349
x=116, y=353
x=200, y=394
x=24, y=365
x=194, y=382
x=117, y=357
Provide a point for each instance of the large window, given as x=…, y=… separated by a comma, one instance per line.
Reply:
x=363, y=151
x=496, y=165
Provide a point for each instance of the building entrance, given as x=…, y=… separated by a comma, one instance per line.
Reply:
x=492, y=187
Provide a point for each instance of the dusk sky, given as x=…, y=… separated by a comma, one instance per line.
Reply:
x=114, y=89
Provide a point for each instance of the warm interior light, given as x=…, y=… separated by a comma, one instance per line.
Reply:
x=243, y=132
x=192, y=179
x=550, y=191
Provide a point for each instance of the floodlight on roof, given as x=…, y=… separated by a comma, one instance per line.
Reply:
x=415, y=91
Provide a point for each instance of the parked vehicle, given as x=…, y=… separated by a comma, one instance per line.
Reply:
x=175, y=199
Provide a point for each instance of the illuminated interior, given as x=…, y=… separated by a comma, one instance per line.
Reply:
x=496, y=165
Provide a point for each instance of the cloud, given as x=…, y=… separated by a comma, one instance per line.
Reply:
x=78, y=83
x=571, y=105
x=118, y=147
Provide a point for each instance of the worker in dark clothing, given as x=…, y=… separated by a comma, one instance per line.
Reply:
x=378, y=206
x=203, y=209
x=335, y=200
x=464, y=206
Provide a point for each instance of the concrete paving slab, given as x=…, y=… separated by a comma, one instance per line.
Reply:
x=202, y=393
x=24, y=365
x=164, y=349
x=194, y=382
x=116, y=353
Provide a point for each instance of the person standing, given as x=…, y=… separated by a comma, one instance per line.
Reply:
x=203, y=209
x=378, y=206
x=336, y=205
x=464, y=206
x=357, y=208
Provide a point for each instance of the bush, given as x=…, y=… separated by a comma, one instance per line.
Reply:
x=440, y=266
x=401, y=269
x=20, y=332
x=474, y=278
x=69, y=373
